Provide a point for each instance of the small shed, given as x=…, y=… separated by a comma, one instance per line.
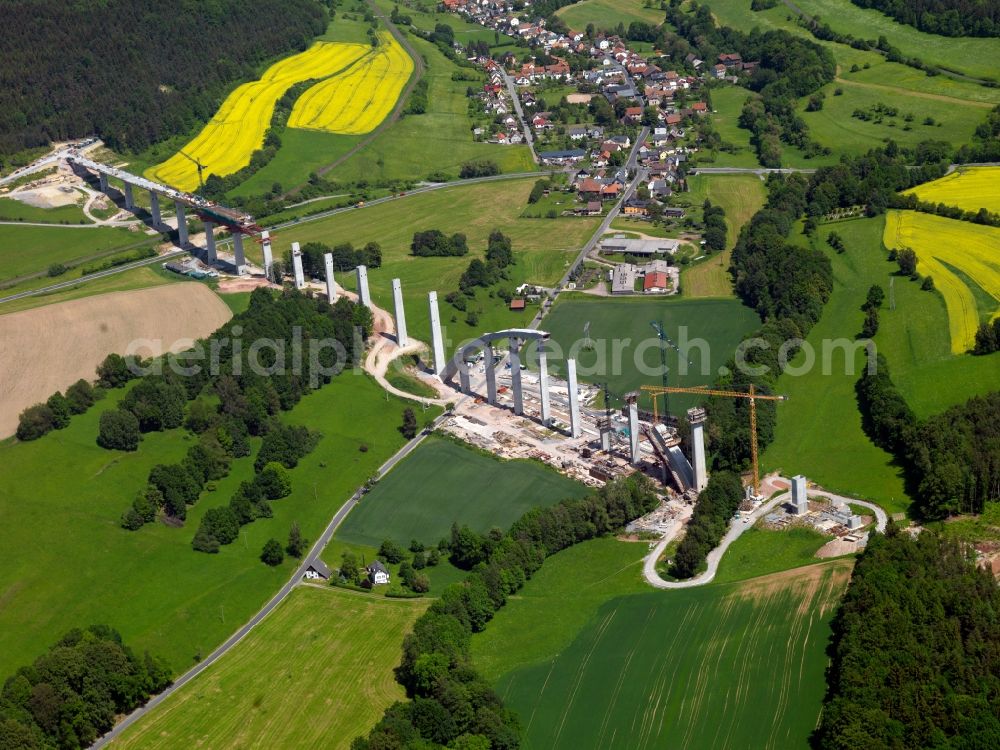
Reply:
x=517, y=303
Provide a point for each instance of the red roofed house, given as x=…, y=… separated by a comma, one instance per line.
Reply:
x=517, y=304
x=633, y=114
x=655, y=282
x=699, y=108
x=610, y=192
x=673, y=119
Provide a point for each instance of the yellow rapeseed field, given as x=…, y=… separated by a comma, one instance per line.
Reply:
x=969, y=188
x=357, y=100
x=973, y=249
x=226, y=143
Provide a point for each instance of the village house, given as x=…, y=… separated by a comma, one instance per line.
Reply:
x=317, y=571
x=378, y=574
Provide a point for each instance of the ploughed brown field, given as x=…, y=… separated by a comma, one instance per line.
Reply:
x=49, y=348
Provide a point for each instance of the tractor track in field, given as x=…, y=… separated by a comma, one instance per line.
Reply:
x=418, y=72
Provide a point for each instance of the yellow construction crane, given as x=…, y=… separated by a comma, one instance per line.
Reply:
x=656, y=390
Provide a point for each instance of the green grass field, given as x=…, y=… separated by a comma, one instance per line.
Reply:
x=915, y=340
x=607, y=14
x=625, y=324
x=727, y=103
x=588, y=658
x=761, y=551
x=834, y=126
x=304, y=660
x=967, y=55
x=13, y=210
x=29, y=249
x=61, y=498
x=741, y=196
x=543, y=249
x=443, y=482
x=136, y=278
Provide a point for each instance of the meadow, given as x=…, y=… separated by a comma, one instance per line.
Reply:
x=969, y=188
x=964, y=262
x=136, y=278
x=741, y=196
x=967, y=55
x=588, y=658
x=624, y=325
x=914, y=338
x=443, y=482
x=727, y=103
x=15, y=210
x=304, y=660
x=542, y=248
x=607, y=14
x=356, y=101
x=237, y=129
x=32, y=249
x=61, y=498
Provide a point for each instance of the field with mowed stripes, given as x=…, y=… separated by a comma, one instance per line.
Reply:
x=356, y=101
x=228, y=140
x=725, y=666
x=969, y=188
x=964, y=261
x=316, y=673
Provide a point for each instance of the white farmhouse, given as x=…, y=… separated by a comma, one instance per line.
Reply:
x=378, y=574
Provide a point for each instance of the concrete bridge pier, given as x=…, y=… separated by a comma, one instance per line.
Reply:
x=364, y=296
x=300, y=279
x=331, y=285
x=574, y=399
x=265, y=246
x=491, y=375
x=543, y=384
x=633, y=431
x=154, y=208
x=463, y=377
x=102, y=180
x=397, y=299
x=211, y=255
x=241, y=258
x=437, y=340
x=129, y=198
x=515, y=375
x=182, y=227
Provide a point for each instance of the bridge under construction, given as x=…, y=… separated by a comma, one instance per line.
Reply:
x=212, y=215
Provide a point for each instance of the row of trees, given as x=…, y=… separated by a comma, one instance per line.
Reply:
x=434, y=243
x=134, y=72
x=714, y=233
x=915, y=659
x=345, y=257
x=787, y=285
x=71, y=695
x=715, y=507
x=952, y=460
x=55, y=413
x=451, y=704
x=945, y=17
x=249, y=402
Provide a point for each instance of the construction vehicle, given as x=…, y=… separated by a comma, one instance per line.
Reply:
x=752, y=395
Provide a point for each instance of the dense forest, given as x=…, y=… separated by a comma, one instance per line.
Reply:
x=945, y=17
x=451, y=705
x=134, y=71
x=916, y=662
x=72, y=695
x=952, y=460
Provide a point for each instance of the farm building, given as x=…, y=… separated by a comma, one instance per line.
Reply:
x=640, y=247
x=655, y=283
x=317, y=571
x=378, y=574
x=623, y=278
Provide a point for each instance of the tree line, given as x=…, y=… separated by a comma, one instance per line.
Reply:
x=134, y=72
x=450, y=704
x=944, y=17
x=712, y=512
x=249, y=401
x=73, y=694
x=915, y=662
x=951, y=460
